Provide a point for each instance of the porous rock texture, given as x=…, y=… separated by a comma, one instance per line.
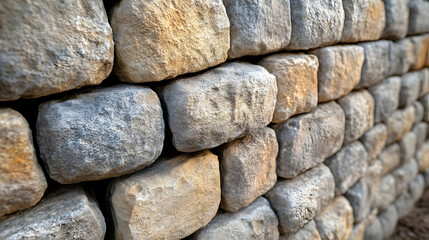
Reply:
x=396, y=23
x=401, y=54
x=52, y=46
x=421, y=45
x=308, y=232
x=374, y=141
x=359, y=196
x=399, y=124
x=390, y=158
x=418, y=17
x=386, y=98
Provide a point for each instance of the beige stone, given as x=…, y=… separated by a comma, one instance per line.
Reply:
x=421, y=46
x=423, y=157
x=390, y=158
x=399, y=124
x=308, y=232
x=374, y=141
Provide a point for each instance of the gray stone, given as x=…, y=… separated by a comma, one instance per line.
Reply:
x=170, y=200
x=410, y=89
x=420, y=130
x=220, y=105
x=425, y=102
x=399, y=124
x=308, y=139
x=339, y=70
x=421, y=45
x=296, y=76
x=315, y=25
x=364, y=20
x=374, y=141
x=418, y=22
x=248, y=168
x=426, y=177
x=404, y=204
x=358, y=108
x=359, y=198
x=347, y=166
x=397, y=13
x=51, y=47
x=336, y=220
x=308, y=232
x=358, y=231
x=372, y=178
x=22, y=182
x=401, y=55
x=101, y=133
x=419, y=112
x=297, y=201
x=417, y=187
x=424, y=76
x=256, y=221
x=376, y=64
x=404, y=174
x=374, y=232
x=422, y=157
x=408, y=146
x=388, y=220
x=386, y=193
x=68, y=213
x=390, y=158
x=258, y=27
x=386, y=98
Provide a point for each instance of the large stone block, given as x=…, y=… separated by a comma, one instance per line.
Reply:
x=404, y=204
x=51, y=47
x=315, y=24
x=386, y=192
x=296, y=76
x=306, y=140
x=308, y=232
x=248, y=168
x=164, y=39
x=410, y=89
x=100, y=134
x=401, y=55
x=170, y=200
x=388, y=220
x=422, y=157
x=297, y=201
x=339, y=70
x=220, y=105
x=68, y=213
x=364, y=20
x=258, y=27
x=404, y=174
x=390, y=158
x=372, y=178
x=386, y=98
x=22, y=182
x=359, y=196
x=399, y=124
x=420, y=130
x=419, y=112
x=417, y=187
x=408, y=146
x=374, y=141
x=256, y=221
x=397, y=13
x=418, y=22
x=421, y=45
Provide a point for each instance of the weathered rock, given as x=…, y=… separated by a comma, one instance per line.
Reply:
x=299, y=200
x=336, y=220
x=424, y=76
x=100, y=134
x=347, y=166
x=364, y=20
x=164, y=39
x=358, y=231
x=296, y=76
x=420, y=130
x=399, y=124
x=386, y=193
x=419, y=112
x=308, y=232
x=410, y=89
x=315, y=25
x=386, y=98
x=258, y=27
x=68, y=213
x=306, y=140
x=372, y=178
x=339, y=70
x=358, y=108
x=421, y=45
x=417, y=187
x=374, y=232
x=425, y=102
x=400, y=56
x=248, y=168
x=51, y=47
x=418, y=22
x=388, y=220
x=376, y=64
x=359, y=198
x=256, y=221
x=22, y=182
x=404, y=204
x=170, y=200
x=423, y=157
x=220, y=105
x=404, y=174
x=374, y=141
x=390, y=158
x=397, y=13
x=408, y=146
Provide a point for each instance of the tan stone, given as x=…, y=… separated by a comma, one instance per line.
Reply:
x=423, y=157
x=308, y=232
x=399, y=124
x=421, y=46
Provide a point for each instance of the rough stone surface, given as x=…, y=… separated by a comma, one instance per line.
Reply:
x=315, y=24
x=374, y=141
x=424, y=76
x=308, y=232
x=220, y=105
x=87, y=136
x=421, y=45
x=404, y=204
x=372, y=178
x=296, y=76
x=155, y=40
x=299, y=200
x=419, y=112
x=339, y=70
x=306, y=140
x=399, y=124
x=410, y=89
x=336, y=220
x=408, y=146
x=386, y=98
x=397, y=13
x=386, y=193
x=248, y=168
x=423, y=157
x=359, y=198
x=22, y=182
x=258, y=27
x=374, y=232
x=68, y=213
x=256, y=221
x=420, y=130
x=358, y=108
x=425, y=102
x=170, y=200
x=364, y=20
x=418, y=22
x=417, y=187
x=51, y=47
x=400, y=56
x=404, y=174
x=390, y=158
x=388, y=220
x=358, y=231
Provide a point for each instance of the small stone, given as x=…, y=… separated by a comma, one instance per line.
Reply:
x=147, y=204
x=359, y=198
x=220, y=105
x=401, y=55
x=419, y=112
x=308, y=139
x=417, y=187
x=308, y=232
x=404, y=174
x=297, y=201
x=386, y=98
x=410, y=89
x=399, y=124
x=390, y=158
x=408, y=146
x=420, y=130
x=421, y=45
x=423, y=157
x=388, y=220
x=339, y=70
x=418, y=22
x=404, y=204
x=374, y=232
x=296, y=76
x=386, y=192
x=374, y=141
x=248, y=168
x=397, y=13
x=425, y=102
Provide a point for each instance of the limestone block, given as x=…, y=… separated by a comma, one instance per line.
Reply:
x=408, y=146
x=419, y=112
x=404, y=204
x=358, y=231
x=399, y=124
x=410, y=89
x=424, y=76
x=422, y=157
x=418, y=22
x=372, y=178
x=421, y=45
x=308, y=232
x=374, y=231
x=386, y=193
x=417, y=187
x=420, y=130
x=359, y=196
x=404, y=174
x=401, y=55
x=388, y=220
x=374, y=141
x=397, y=13
x=390, y=158
x=386, y=98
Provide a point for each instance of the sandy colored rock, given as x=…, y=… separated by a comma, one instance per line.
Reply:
x=420, y=130
x=296, y=76
x=22, y=182
x=68, y=213
x=397, y=13
x=410, y=89
x=52, y=46
x=308, y=232
x=390, y=158
x=408, y=146
x=374, y=141
x=388, y=220
x=359, y=197
x=248, y=168
x=401, y=55
x=404, y=174
x=297, y=201
x=258, y=27
x=170, y=200
x=422, y=157
x=386, y=193
x=418, y=22
x=220, y=105
x=101, y=133
x=364, y=20
x=399, y=124
x=421, y=45
x=339, y=70
x=308, y=139
x=164, y=39
x=386, y=98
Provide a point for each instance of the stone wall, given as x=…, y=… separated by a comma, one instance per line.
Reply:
x=233, y=119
